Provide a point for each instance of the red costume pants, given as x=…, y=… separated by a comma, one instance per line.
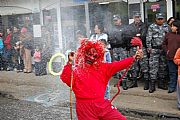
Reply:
x=97, y=111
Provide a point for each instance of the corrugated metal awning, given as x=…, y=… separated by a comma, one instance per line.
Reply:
x=10, y=10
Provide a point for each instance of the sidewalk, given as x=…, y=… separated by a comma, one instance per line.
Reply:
x=132, y=101
x=138, y=101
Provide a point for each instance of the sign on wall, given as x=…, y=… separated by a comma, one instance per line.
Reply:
x=155, y=7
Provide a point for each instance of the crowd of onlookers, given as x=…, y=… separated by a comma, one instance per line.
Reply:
x=19, y=53
x=160, y=42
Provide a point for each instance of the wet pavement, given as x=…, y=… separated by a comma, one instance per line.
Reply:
x=45, y=97
x=11, y=109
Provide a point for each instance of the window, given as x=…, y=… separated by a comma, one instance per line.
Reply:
x=151, y=8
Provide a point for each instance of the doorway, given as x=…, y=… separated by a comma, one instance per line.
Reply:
x=177, y=9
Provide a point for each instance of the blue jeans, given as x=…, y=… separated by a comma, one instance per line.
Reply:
x=172, y=74
x=107, y=93
x=37, y=68
x=7, y=57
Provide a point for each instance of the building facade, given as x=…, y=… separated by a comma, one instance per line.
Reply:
x=64, y=17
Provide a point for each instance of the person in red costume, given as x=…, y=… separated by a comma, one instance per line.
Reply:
x=90, y=78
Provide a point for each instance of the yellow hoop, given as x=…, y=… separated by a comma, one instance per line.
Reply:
x=51, y=60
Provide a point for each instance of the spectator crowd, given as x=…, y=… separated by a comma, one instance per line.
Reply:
x=160, y=42
x=18, y=52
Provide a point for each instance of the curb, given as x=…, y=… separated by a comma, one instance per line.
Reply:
x=150, y=115
x=138, y=114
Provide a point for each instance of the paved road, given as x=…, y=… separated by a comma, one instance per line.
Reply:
x=11, y=109
x=35, y=97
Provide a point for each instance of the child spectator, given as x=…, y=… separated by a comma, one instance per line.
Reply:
x=14, y=40
x=19, y=60
x=107, y=58
x=37, y=60
x=177, y=61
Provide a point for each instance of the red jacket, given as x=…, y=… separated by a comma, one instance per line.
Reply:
x=177, y=60
x=7, y=41
x=89, y=84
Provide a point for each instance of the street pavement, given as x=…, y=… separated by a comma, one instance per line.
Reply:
x=49, y=91
x=11, y=109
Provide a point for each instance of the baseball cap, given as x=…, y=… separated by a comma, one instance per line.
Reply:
x=159, y=15
x=116, y=17
x=137, y=14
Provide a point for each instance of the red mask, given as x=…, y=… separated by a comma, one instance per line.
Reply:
x=90, y=52
x=91, y=56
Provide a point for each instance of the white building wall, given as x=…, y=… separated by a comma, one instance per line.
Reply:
x=10, y=7
x=169, y=9
x=133, y=1
x=168, y=3
x=141, y=4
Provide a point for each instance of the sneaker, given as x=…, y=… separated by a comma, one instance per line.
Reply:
x=171, y=90
x=37, y=74
x=163, y=87
x=15, y=69
x=8, y=69
x=25, y=71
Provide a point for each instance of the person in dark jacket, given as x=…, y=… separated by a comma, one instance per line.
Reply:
x=15, y=36
x=170, y=44
x=117, y=44
x=15, y=43
x=46, y=44
x=138, y=29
